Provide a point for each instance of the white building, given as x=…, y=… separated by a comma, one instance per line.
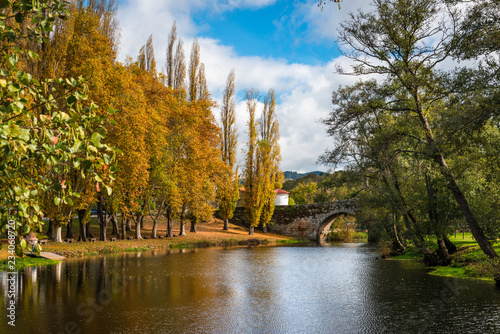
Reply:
x=281, y=197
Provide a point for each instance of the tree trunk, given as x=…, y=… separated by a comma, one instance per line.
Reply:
x=102, y=231
x=87, y=229
x=49, y=230
x=155, y=228
x=264, y=229
x=183, y=227
x=168, y=214
x=81, y=217
x=182, y=231
x=83, y=235
x=114, y=220
x=69, y=229
x=138, y=227
x=470, y=218
x=124, y=227
x=103, y=221
x=193, y=226
x=397, y=243
x=476, y=230
x=159, y=213
x=442, y=252
x=114, y=224
x=251, y=230
x=129, y=225
x=142, y=221
x=226, y=225
x=449, y=245
x=57, y=232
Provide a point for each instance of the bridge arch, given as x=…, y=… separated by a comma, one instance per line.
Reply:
x=326, y=224
x=310, y=221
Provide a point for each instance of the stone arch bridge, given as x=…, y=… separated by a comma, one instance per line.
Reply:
x=308, y=221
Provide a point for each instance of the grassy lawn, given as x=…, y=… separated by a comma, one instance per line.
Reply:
x=468, y=262
x=209, y=234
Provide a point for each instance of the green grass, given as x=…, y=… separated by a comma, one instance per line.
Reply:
x=410, y=253
x=463, y=239
x=452, y=272
x=138, y=249
x=21, y=263
x=343, y=237
x=468, y=262
x=293, y=241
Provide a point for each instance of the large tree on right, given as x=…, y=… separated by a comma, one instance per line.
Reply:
x=405, y=41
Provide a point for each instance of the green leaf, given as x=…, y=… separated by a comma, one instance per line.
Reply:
x=71, y=99
x=19, y=251
x=14, y=87
x=57, y=187
x=57, y=201
x=108, y=189
x=96, y=139
x=87, y=164
x=38, y=248
x=23, y=243
x=26, y=229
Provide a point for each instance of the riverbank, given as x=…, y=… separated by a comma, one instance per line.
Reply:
x=208, y=235
x=467, y=262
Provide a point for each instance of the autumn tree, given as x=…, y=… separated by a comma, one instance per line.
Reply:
x=202, y=165
x=170, y=61
x=179, y=78
x=270, y=157
x=229, y=189
x=202, y=83
x=194, y=64
x=146, y=57
x=42, y=134
x=252, y=172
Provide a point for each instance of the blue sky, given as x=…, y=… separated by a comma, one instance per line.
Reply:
x=274, y=31
x=288, y=45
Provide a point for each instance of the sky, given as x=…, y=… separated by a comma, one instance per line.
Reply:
x=287, y=45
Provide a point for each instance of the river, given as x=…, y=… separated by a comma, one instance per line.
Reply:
x=341, y=288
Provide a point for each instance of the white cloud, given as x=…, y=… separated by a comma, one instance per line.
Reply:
x=303, y=91
x=324, y=24
x=232, y=4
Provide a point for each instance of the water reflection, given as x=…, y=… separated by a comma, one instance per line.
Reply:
x=333, y=289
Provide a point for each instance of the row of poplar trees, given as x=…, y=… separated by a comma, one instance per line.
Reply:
x=126, y=138
x=423, y=139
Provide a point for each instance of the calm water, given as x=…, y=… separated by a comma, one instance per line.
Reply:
x=331, y=289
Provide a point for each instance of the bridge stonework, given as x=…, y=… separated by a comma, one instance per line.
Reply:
x=309, y=221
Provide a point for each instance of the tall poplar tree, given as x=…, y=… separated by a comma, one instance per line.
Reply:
x=252, y=195
x=228, y=190
x=194, y=64
x=269, y=151
x=172, y=37
x=146, y=58
x=179, y=78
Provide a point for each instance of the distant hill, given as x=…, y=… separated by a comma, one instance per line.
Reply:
x=289, y=175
